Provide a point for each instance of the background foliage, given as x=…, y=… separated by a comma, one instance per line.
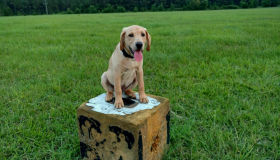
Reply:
x=34, y=7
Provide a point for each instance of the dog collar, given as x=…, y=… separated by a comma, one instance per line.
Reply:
x=130, y=53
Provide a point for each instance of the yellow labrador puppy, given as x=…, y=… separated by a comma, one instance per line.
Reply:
x=125, y=66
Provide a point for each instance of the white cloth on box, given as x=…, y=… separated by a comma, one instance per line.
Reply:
x=100, y=105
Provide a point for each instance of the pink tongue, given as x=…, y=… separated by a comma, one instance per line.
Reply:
x=138, y=55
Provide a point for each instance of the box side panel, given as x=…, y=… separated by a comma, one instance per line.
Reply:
x=156, y=138
x=104, y=137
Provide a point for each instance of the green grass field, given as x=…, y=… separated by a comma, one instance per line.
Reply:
x=220, y=70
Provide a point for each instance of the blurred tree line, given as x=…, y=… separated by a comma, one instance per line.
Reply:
x=34, y=7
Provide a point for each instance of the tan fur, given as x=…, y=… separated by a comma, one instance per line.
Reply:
x=125, y=73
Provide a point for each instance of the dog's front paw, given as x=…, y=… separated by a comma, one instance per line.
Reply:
x=119, y=104
x=143, y=99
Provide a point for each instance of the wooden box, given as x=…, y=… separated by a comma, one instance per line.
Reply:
x=143, y=135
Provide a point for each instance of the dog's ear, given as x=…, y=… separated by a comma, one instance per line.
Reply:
x=122, y=42
x=148, y=38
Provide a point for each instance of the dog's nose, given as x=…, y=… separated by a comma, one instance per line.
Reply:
x=139, y=45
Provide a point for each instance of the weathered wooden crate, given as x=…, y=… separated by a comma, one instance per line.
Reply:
x=143, y=135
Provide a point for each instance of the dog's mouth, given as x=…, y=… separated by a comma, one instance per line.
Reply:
x=135, y=54
x=138, y=55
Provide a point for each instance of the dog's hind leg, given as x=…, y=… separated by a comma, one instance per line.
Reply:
x=130, y=93
x=128, y=90
x=107, y=86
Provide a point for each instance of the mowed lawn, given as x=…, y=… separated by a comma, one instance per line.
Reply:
x=220, y=70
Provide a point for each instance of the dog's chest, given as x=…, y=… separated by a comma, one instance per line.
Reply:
x=130, y=66
x=128, y=73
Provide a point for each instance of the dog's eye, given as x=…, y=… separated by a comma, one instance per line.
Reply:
x=142, y=34
x=130, y=35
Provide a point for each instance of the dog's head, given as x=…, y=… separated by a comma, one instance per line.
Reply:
x=134, y=38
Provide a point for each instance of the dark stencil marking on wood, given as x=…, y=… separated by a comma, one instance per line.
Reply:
x=140, y=146
x=93, y=124
x=104, y=140
x=120, y=158
x=128, y=136
x=97, y=158
x=96, y=154
x=168, y=126
x=84, y=148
